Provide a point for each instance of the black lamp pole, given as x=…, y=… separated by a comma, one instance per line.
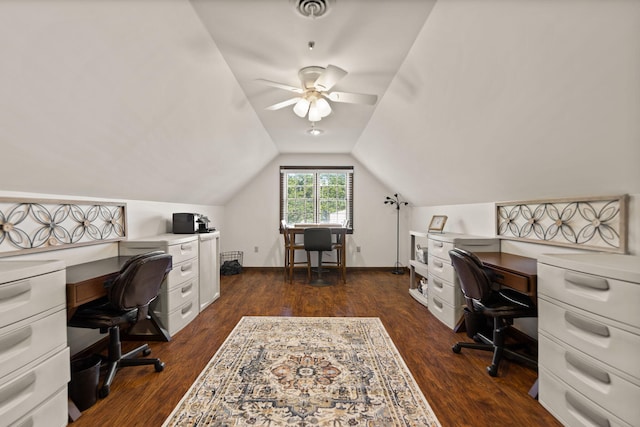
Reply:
x=395, y=200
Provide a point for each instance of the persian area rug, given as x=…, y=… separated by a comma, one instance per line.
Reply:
x=305, y=371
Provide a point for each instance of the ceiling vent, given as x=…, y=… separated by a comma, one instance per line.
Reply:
x=312, y=8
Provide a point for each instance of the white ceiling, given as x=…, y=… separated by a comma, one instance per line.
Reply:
x=269, y=39
x=479, y=100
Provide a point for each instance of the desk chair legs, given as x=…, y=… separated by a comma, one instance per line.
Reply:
x=497, y=346
x=115, y=359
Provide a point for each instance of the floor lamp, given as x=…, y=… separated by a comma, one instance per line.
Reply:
x=395, y=200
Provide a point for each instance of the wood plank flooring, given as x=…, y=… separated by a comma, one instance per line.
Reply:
x=457, y=386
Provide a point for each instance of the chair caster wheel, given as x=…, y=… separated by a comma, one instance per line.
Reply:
x=159, y=366
x=492, y=370
x=456, y=348
x=104, y=391
x=146, y=352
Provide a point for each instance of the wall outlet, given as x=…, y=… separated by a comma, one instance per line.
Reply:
x=357, y=248
x=255, y=249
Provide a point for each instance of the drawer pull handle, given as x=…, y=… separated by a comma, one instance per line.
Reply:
x=438, y=264
x=587, y=325
x=587, y=412
x=437, y=284
x=17, y=392
x=586, y=281
x=185, y=246
x=438, y=244
x=587, y=369
x=437, y=303
x=187, y=288
x=187, y=309
x=15, y=343
x=14, y=291
x=186, y=267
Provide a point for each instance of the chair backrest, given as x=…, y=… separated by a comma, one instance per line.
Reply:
x=475, y=283
x=139, y=282
x=317, y=239
x=285, y=232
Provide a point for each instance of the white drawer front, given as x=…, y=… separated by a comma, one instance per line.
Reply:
x=52, y=413
x=445, y=291
x=183, y=251
x=570, y=407
x=439, y=249
x=610, y=298
x=171, y=299
x=591, y=378
x=592, y=335
x=177, y=319
x=24, y=342
x=444, y=312
x=181, y=272
x=441, y=268
x=24, y=298
x=27, y=389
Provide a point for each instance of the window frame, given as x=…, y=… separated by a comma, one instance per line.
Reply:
x=316, y=170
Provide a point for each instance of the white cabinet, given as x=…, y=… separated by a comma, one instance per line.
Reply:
x=589, y=338
x=178, y=302
x=445, y=297
x=418, y=270
x=34, y=357
x=209, y=260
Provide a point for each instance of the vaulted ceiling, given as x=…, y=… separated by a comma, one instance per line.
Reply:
x=478, y=101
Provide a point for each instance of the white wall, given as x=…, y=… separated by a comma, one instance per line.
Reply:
x=252, y=217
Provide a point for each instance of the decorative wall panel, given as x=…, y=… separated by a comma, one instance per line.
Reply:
x=593, y=223
x=30, y=225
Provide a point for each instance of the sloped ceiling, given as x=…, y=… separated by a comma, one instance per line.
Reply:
x=479, y=101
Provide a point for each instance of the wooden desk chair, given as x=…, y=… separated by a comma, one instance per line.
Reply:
x=290, y=248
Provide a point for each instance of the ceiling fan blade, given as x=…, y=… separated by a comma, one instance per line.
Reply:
x=329, y=77
x=283, y=104
x=352, y=98
x=280, y=85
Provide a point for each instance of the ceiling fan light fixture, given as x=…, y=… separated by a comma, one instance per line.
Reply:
x=314, y=112
x=323, y=107
x=315, y=131
x=301, y=108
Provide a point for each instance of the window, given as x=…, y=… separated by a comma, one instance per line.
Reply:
x=316, y=195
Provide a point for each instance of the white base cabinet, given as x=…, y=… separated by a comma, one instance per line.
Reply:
x=35, y=366
x=589, y=338
x=209, y=260
x=446, y=301
x=178, y=302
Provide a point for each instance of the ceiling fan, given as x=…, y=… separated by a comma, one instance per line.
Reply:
x=316, y=82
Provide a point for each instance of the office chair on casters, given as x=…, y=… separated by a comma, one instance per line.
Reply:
x=317, y=239
x=127, y=302
x=502, y=305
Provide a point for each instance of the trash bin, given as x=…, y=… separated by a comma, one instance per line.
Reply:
x=85, y=375
x=473, y=322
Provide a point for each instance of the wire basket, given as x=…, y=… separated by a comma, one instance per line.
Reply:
x=230, y=263
x=231, y=256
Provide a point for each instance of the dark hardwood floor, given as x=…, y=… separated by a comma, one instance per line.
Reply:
x=457, y=386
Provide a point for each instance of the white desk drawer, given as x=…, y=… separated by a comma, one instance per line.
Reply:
x=183, y=251
x=24, y=298
x=591, y=378
x=445, y=291
x=26, y=341
x=54, y=412
x=442, y=268
x=182, y=272
x=171, y=299
x=591, y=334
x=446, y=313
x=28, y=388
x=608, y=297
x=439, y=249
x=570, y=407
x=177, y=319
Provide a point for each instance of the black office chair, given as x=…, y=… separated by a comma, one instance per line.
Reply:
x=317, y=239
x=127, y=302
x=502, y=305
